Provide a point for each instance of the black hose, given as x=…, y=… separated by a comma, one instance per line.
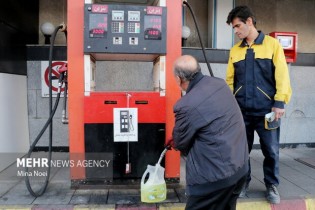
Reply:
x=51, y=50
x=49, y=122
x=32, y=147
x=201, y=43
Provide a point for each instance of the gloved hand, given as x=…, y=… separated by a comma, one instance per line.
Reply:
x=169, y=144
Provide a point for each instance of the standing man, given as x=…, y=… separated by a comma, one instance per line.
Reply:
x=258, y=75
x=210, y=131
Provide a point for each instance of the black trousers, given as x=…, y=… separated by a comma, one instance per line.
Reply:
x=224, y=199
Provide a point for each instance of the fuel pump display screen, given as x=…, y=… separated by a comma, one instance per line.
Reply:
x=124, y=29
x=152, y=27
x=118, y=15
x=98, y=25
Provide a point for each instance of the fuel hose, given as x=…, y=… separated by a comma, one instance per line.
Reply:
x=48, y=122
x=201, y=43
x=52, y=111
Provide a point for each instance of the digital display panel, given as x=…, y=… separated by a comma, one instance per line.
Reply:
x=133, y=15
x=153, y=27
x=118, y=15
x=124, y=29
x=98, y=25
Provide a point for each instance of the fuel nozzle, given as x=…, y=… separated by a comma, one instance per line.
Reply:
x=169, y=144
x=63, y=70
x=63, y=27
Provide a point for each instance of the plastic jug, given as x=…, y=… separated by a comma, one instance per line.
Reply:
x=154, y=189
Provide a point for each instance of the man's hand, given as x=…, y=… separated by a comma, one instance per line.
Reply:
x=169, y=144
x=278, y=112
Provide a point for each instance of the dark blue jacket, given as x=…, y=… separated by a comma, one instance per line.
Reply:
x=210, y=131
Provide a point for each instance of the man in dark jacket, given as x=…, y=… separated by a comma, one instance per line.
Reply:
x=210, y=131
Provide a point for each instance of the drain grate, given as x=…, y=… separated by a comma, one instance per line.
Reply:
x=307, y=161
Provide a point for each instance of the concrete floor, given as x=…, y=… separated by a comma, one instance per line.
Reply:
x=297, y=181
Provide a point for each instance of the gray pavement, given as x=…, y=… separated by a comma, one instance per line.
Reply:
x=296, y=171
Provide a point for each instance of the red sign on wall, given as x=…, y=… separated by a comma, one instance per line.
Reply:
x=45, y=77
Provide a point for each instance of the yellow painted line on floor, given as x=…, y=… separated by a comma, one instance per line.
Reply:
x=81, y=208
x=257, y=205
x=15, y=207
x=172, y=206
x=310, y=203
x=94, y=207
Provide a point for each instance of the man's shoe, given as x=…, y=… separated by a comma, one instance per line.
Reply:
x=244, y=191
x=272, y=194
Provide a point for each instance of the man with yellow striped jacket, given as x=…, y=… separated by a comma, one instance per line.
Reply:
x=258, y=75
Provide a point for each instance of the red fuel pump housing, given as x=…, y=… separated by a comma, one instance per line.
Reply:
x=99, y=106
x=99, y=136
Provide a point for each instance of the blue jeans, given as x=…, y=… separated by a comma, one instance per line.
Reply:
x=269, y=143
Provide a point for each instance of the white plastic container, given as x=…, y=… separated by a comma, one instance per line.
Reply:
x=154, y=189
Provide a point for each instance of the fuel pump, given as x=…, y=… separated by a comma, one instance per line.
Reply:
x=121, y=34
x=128, y=124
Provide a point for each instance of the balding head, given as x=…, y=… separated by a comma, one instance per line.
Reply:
x=186, y=67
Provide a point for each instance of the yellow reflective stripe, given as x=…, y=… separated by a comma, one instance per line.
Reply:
x=237, y=90
x=264, y=93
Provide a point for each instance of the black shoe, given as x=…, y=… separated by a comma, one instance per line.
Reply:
x=244, y=191
x=272, y=194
